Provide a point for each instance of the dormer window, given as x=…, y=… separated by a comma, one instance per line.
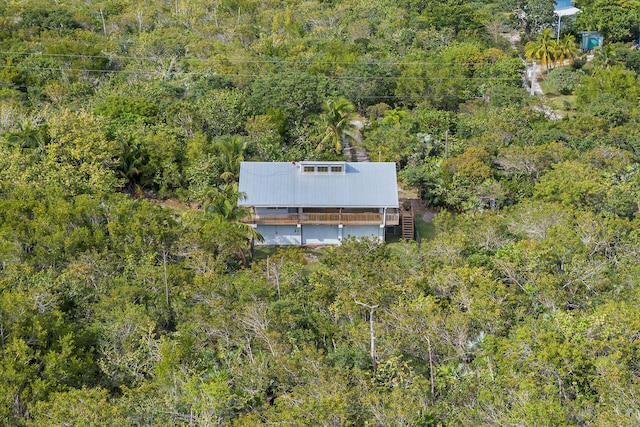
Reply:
x=323, y=168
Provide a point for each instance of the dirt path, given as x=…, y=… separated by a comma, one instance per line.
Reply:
x=537, y=77
x=169, y=203
x=419, y=208
x=358, y=153
x=423, y=212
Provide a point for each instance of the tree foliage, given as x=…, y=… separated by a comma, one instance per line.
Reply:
x=130, y=293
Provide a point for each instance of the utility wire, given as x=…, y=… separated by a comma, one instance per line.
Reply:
x=334, y=77
x=240, y=60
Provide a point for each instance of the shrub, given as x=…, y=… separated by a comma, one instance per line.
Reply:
x=606, y=106
x=578, y=63
x=563, y=80
x=632, y=61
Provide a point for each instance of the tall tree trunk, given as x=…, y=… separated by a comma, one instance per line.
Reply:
x=104, y=26
x=166, y=282
x=372, y=332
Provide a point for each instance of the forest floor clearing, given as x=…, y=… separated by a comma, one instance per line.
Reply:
x=420, y=208
x=558, y=105
x=174, y=204
x=562, y=105
x=423, y=214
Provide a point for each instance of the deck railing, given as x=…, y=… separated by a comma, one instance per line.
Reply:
x=393, y=219
x=326, y=218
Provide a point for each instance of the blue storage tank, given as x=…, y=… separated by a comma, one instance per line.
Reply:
x=591, y=40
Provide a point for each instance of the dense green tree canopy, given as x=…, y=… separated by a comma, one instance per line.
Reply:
x=130, y=293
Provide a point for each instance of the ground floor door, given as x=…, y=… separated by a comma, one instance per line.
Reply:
x=280, y=235
x=320, y=235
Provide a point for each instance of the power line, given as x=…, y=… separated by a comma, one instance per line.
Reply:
x=186, y=73
x=241, y=60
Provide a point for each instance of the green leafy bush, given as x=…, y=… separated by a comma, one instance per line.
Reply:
x=563, y=80
x=614, y=111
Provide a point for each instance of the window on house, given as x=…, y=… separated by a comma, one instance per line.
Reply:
x=309, y=169
x=336, y=169
x=322, y=169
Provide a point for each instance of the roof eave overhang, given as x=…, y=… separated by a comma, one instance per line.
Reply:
x=272, y=205
x=570, y=11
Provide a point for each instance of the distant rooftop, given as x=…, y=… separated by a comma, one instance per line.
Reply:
x=318, y=184
x=563, y=4
x=565, y=8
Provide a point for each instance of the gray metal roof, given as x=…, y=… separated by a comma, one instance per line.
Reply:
x=280, y=184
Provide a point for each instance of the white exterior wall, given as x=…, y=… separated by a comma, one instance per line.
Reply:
x=281, y=235
x=320, y=235
x=358, y=231
x=287, y=235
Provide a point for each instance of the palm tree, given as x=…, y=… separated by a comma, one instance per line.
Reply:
x=229, y=154
x=567, y=48
x=222, y=208
x=543, y=49
x=604, y=56
x=222, y=202
x=394, y=116
x=130, y=160
x=29, y=137
x=337, y=120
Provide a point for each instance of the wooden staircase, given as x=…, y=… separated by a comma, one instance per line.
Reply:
x=408, y=224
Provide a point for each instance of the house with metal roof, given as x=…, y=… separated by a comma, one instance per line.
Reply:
x=319, y=203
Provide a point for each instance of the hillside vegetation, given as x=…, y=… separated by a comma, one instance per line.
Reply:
x=522, y=310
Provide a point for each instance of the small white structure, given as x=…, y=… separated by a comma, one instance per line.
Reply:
x=319, y=203
x=564, y=8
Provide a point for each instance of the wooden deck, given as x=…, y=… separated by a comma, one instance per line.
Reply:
x=326, y=219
